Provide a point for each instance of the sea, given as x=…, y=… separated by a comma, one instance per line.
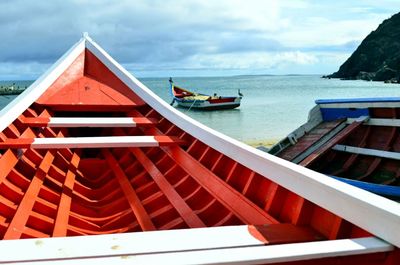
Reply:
x=272, y=106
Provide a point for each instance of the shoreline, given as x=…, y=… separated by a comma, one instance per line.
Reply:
x=267, y=143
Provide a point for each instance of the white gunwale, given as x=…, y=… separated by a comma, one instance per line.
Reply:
x=371, y=212
x=230, y=244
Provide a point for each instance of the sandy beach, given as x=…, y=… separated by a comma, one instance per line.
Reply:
x=268, y=143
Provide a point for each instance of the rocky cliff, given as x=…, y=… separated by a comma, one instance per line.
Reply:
x=378, y=56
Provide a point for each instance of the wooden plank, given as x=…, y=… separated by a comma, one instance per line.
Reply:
x=63, y=211
x=142, y=216
x=366, y=151
x=91, y=142
x=341, y=135
x=322, y=141
x=58, y=122
x=230, y=198
x=187, y=214
x=17, y=224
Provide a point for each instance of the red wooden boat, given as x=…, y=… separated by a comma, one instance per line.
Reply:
x=353, y=140
x=94, y=167
x=192, y=100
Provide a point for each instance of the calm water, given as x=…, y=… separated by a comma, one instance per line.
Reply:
x=272, y=106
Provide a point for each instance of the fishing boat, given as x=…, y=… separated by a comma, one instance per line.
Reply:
x=188, y=99
x=10, y=90
x=95, y=168
x=354, y=140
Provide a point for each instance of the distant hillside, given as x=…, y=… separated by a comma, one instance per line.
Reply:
x=378, y=56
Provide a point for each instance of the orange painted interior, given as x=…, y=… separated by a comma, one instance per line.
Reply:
x=88, y=82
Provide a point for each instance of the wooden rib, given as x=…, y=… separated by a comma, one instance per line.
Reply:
x=142, y=217
x=375, y=163
x=187, y=214
x=17, y=225
x=248, y=182
x=353, y=157
x=220, y=156
x=340, y=136
x=7, y=162
x=61, y=221
x=229, y=197
x=338, y=226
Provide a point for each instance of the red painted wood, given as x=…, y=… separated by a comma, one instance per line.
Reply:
x=95, y=69
x=141, y=215
x=142, y=121
x=340, y=136
x=243, y=208
x=165, y=140
x=7, y=162
x=17, y=224
x=283, y=234
x=17, y=143
x=89, y=84
x=309, y=139
x=36, y=121
x=191, y=219
x=63, y=212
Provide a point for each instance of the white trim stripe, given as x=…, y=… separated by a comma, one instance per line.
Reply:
x=92, y=122
x=91, y=142
x=366, y=151
x=95, y=142
x=230, y=244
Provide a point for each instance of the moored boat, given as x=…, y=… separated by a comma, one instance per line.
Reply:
x=10, y=90
x=95, y=168
x=353, y=140
x=188, y=99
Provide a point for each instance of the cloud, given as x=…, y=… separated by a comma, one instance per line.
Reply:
x=158, y=36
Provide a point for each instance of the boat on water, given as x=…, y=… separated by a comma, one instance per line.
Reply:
x=353, y=140
x=11, y=90
x=96, y=168
x=188, y=99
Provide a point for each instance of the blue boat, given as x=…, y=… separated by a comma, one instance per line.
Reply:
x=355, y=140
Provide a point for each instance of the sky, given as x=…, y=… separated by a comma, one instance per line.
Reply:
x=161, y=38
